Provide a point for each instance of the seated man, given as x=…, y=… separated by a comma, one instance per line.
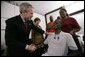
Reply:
x=59, y=42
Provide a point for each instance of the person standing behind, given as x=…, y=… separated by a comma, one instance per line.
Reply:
x=17, y=32
x=37, y=38
x=49, y=27
x=70, y=25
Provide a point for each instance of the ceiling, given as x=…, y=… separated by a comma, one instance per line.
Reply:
x=43, y=7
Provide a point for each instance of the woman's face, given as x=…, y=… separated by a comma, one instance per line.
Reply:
x=62, y=13
x=37, y=22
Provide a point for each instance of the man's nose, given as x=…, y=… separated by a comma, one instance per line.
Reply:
x=32, y=16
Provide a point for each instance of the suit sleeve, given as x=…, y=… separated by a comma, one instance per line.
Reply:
x=33, y=35
x=36, y=28
x=11, y=36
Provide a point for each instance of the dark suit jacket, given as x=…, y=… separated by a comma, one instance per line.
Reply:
x=16, y=36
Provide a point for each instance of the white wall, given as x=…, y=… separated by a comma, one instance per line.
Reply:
x=77, y=5
x=8, y=11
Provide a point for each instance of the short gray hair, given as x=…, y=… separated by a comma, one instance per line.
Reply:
x=24, y=6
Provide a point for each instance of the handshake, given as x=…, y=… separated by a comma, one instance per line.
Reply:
x=32, y=47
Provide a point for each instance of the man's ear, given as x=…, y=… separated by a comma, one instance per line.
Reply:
x=24, y=12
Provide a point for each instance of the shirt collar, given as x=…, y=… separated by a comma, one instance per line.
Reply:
x=22, y=18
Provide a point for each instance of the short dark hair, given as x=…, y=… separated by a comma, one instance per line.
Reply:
x=58, y=17
x=64, y=10
x=36, y=19
x=58, y=21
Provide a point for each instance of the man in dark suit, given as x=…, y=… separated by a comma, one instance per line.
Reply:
x=17, y=35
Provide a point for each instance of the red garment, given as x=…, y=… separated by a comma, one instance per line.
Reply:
x=51, y=25
x=50, y=31
x=26, y=26
x=69, y=24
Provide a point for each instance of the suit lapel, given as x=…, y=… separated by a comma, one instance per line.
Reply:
x=22, y=25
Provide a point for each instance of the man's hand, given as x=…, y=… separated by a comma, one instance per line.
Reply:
x=48, y=33
x=32, y=47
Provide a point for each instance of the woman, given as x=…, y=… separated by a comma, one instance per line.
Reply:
x=70, y=25
x=37, y=39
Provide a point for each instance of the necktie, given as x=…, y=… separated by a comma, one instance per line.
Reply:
x=26, y=26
